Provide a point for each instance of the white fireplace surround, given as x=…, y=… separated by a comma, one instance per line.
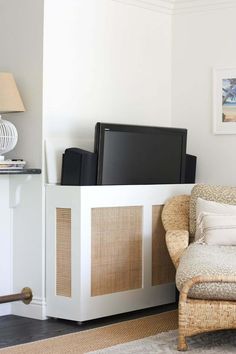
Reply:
x=22, y=243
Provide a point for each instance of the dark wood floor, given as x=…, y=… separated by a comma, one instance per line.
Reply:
x=17, y=330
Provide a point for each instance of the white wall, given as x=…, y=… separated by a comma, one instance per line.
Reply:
x=104, y=61
x=202, y=41
x=21, y=40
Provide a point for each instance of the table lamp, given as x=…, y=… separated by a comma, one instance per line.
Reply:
x=10, y=101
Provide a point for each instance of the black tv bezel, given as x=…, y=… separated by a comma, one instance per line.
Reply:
x=99, y=143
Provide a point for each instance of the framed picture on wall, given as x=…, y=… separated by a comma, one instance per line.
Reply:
x=224, y=101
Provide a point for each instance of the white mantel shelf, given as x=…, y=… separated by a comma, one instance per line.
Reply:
x=24, y=171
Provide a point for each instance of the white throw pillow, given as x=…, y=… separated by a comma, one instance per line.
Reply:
x=207, y=206
x=218, y=229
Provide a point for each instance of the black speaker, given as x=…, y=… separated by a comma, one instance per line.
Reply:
x=190, y=168
x=79, y=168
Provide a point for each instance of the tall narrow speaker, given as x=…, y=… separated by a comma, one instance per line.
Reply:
x=79, y=167
x=190, y=168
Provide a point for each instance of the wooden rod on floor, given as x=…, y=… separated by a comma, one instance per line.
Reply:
x=26, y=296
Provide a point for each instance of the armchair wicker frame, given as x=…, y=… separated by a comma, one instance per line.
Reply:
x=195, y=315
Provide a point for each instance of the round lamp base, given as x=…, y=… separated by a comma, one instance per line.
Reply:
x=8, y=137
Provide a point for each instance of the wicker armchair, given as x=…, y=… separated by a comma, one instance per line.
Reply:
x=179, y=220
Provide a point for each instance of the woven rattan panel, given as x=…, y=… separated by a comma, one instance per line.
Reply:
x=63, y=252
x=116, y=249
x=163, y=270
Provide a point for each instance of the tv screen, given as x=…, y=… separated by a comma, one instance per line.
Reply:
x=130, y=154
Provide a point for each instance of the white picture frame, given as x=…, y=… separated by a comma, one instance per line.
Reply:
x=224, y=100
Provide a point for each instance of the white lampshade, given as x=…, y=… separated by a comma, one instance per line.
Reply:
x=10, y=101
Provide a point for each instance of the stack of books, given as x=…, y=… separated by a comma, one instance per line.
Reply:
x=7, y=165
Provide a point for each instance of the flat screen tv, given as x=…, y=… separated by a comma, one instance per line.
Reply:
x=131, y=154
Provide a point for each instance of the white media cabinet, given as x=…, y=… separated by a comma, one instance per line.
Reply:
x=105, y=249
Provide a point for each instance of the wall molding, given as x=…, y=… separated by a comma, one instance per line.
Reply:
x=192, y=6
x=162, y=6
x=175, y=7
x=36, y=309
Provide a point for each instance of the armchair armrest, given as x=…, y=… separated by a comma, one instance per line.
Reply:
x=204, y=279
x=177, y=241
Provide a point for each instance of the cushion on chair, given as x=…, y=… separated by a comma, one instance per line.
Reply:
x=207, y=206
x=217, y=229
x=220, y=194
x=200, y=259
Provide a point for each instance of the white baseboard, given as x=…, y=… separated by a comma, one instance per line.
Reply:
x=5, y=309
x=36, y=309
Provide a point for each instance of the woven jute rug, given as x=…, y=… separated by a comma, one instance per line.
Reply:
x=99, y=338
x=166, y=343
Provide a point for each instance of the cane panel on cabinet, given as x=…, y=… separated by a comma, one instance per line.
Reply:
x=63, y=252
x=116, y=254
